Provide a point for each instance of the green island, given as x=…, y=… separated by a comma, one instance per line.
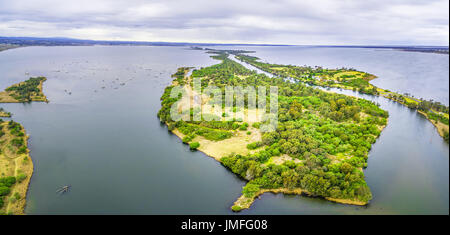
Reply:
x=319, y=147
x=16, y=166
x=27, y=91
x=352, y=79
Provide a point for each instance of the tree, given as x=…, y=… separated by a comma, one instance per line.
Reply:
x=4, y=190
x=346, y=168
x=295, y=110
x=21, y=177
x=269, y=138
x=290, y=179
x=250, y=189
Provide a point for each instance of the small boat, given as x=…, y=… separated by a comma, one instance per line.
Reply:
x=64, y=189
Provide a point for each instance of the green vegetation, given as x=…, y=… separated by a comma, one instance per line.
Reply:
x=208, y=133
x=13, y=170
x=15, y=161
x=356, y=81
x=179, y=75
x=326, y=136
x=5, y=188
x=21, y=177
x=254, y=145
x=226, y=71
x=347, y=78
x=194, y=145
x=27, y=91
x=236, y=208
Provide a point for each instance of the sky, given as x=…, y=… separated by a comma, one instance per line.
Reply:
x=301, y=22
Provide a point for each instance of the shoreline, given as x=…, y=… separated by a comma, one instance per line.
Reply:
x=13, y=46
x=440, y=129
x=5, y=114
x=384, y=93
x=243, y=202
x=6, y=96
x=213, y=149
x=25, y=184
x=22, y=164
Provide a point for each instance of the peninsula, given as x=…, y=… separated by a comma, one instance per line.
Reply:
x=319, y=147
x=16, y=167
x=27, y=91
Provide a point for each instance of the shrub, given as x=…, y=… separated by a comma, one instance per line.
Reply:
x=21, y=177
x=4, y=190
x=7, y=181
x=250, y=189
x=235, y=125
x=194, y=145
x=18, y=142
x=22, y=150
x=236, y=208
x=170, y=127
x=187, y=138
x=256, y=125
x=243, y=127
x=254, y=145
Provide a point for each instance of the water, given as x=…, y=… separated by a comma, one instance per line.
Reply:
x=408, y=167
x=407, y=171
x=424, y=75
x=108, y=144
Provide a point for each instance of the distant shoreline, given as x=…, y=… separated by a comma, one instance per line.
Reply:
x=57, y=41
x=5, y=47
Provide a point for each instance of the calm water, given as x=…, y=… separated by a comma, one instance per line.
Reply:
x=100, y=134
x=425, y=75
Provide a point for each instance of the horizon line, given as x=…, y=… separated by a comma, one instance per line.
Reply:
x=214, y=43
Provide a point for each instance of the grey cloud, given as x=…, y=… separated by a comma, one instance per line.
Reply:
x=423, y=22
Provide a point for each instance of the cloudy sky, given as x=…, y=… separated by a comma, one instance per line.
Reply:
x=343, y=22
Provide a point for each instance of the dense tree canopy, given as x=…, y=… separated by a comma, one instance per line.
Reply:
x=326, y=136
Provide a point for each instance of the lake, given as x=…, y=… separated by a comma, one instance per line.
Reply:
x=100, y=134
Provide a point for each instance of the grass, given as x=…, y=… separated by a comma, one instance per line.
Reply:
x=14, y=164
x=237, y=143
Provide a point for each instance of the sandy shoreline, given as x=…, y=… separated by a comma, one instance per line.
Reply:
x=440, y=127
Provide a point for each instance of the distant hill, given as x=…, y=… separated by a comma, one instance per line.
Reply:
x=61, y=41
x=57, y=41
x=430, y=49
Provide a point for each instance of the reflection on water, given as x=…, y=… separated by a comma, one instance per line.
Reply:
x=100, y=134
